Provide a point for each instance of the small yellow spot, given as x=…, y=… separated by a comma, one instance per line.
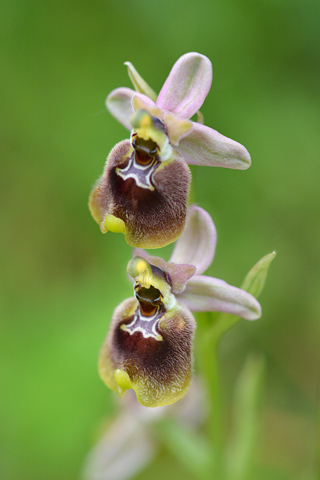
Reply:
x=146, y=120
x=158, y=337
x=141, y=119
x=122, y=379
x=114, y=224
x=141, y=265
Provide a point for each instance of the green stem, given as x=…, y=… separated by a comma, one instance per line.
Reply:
x=211, y=373
x=211, y=328
x=208, y=362
x=317, y=446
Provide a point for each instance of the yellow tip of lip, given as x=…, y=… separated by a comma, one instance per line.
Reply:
x=122, y=379
x=114, y=224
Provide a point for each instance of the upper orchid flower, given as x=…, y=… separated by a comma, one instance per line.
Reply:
x=149, y=345
x=181, y=96
x=144, y=189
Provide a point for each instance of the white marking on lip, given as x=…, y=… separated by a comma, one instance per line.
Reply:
x=147, y=170
x=130, y=328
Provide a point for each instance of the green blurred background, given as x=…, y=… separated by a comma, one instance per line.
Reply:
x=61, y=278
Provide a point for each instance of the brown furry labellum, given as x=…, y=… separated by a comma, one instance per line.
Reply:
x=149, y=353
x=141, y=195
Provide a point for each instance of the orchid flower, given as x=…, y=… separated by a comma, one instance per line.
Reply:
x=144, y=189
x=149, y=345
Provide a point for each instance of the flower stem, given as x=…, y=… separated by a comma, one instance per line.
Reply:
x=208, y=360
x=211, y=328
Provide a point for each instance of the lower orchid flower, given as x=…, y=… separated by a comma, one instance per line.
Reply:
x=149, y=345
x=144, y=189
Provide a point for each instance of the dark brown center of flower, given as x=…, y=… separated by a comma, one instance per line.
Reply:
x=149, y=300
x=145, y=150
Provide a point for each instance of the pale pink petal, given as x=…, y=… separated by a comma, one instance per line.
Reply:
x=205, y=146
x=197, y=243
x=187, y=85
x=119, y=104
x=178, y=275
x=206, y=294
